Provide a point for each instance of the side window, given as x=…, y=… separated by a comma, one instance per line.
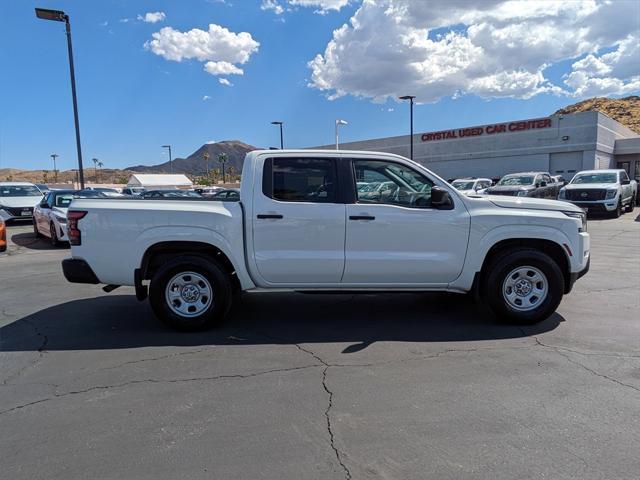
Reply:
x=546, y=178
x=379, y=181
x=48, y=199
x=624, y=176
x=300, y=180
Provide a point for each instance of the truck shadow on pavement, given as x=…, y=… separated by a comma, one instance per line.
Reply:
x=120, y=321
x=30, y=241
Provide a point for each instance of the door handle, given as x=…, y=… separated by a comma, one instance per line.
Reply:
x=265, y=215
x=361, y=217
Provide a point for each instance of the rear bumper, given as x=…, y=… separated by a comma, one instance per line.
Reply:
x=77, y=270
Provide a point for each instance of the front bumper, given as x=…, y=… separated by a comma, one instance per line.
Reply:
x=16, y=213
x=602, y=206
x=76, y=270
x=574, y=276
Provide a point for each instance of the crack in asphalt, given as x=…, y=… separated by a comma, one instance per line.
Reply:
x=153, y=359
x=41, y=353
x=153, y=380
x=584, y=367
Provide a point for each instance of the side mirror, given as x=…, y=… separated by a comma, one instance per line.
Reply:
x=543, y=184
x=625, y=182
x=44, y=205
x=441, y=199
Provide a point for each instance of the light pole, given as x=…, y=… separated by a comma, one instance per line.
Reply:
x=55, y=171
x=60, y=16
x=410, y=98
x=170, y=164
x=281, y=138
x=338, y=123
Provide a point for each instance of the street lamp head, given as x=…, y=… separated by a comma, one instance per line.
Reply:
x=166, y=146
x=407, y=97
x=341, y=122
x=55, y=15
x=276, y=123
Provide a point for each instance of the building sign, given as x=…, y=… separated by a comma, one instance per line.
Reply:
x=488, y=129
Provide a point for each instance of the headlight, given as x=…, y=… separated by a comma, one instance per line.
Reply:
x=580, y=216
x=61, y=219
x=522, y=193
x=562, y=194
x=611, y=194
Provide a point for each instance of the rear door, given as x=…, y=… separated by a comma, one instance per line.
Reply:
x=298, y=222
x=397, y=238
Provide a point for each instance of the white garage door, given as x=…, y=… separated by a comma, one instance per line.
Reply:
x=566, y=164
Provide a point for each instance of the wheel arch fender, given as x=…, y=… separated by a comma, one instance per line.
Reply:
x=171, y=240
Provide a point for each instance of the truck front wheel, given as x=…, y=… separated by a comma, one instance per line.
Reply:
x=190, y=293
x=523, y=286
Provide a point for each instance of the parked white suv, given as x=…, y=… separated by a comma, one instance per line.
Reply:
x=601, y=191
x=17, y=200
x=301, y=224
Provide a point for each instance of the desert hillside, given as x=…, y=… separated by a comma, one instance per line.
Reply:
x=624, y=110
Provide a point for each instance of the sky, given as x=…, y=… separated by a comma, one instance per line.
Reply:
x=151, y=73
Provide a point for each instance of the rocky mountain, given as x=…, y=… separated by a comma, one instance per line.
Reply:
x=624, y=110
x=195, y=163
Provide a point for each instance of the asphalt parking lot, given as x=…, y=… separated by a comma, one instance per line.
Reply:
x=407, y=386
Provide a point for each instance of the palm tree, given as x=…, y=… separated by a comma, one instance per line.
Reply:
x=95, y=168
x=100, y=164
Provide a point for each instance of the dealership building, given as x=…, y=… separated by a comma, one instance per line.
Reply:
x=559, y=144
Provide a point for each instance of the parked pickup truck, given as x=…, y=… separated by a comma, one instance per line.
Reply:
x=601, y=191
x=302, y=225
x=527, y=184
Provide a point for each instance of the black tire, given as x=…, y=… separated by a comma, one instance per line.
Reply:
x=496, y=274
x=221, y=289
x=36, y=232
x=618, y=211
x=54, y=235
x=631, y=205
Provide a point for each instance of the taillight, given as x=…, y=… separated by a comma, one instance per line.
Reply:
x=75, y=237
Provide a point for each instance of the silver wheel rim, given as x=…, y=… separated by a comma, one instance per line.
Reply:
x=525, y=288
x=188, y=294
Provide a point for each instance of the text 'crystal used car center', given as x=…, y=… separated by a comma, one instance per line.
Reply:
x=559, y=144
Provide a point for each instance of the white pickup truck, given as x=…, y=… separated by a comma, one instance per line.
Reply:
x=301, y=225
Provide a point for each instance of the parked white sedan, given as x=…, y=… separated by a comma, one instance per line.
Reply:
x=50, y=216
x=470, y=186
x=17, y=200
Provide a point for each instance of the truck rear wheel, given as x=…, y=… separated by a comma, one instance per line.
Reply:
x=190, y=293
x=523, y=287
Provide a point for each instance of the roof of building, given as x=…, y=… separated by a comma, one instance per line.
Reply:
x=151, y=180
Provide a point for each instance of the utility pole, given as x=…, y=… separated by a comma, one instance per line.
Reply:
x=281, y=137
x=338, y=123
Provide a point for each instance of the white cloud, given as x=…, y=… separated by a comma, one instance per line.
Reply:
x=272, y=5
x=206, y=98
x=323, y=6
x=124, y=20
x=494, y=48
x=152, y=17
x=224, y=81
x=218, y=48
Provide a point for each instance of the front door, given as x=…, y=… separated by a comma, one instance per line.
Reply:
x=394, y=236
x=298, y=222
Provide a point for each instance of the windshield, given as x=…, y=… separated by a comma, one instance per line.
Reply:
x=595, y=178
x=516, y=180
x=462, y=185
x=19, y=191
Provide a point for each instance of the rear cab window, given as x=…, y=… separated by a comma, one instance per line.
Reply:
x=290, y=179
